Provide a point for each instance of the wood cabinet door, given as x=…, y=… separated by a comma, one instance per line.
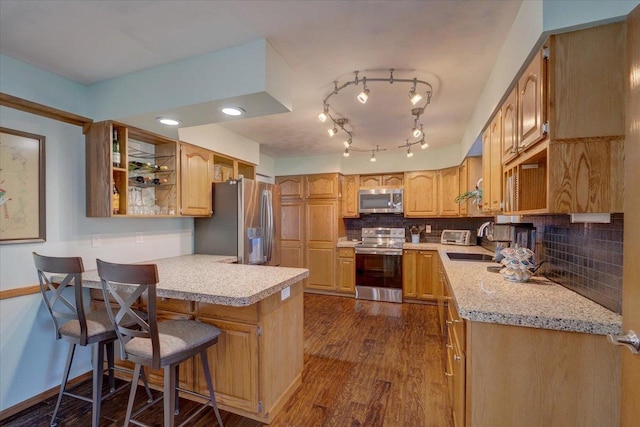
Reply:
x=291, y=221
x=393, y=180
x=290, y=186
x=321, y=264
x=448, y=190
x=420, y=194
x=426, y=273
x=486, y=170
x=322, y=186
x=350, y=187
x=531, y=104
x=196, y=176
x=463, y=173
x=510, y=127
x=233, y=363
x=409, y=274
x=346, y=270
x=321, y=221
x=292, y=255
x=496, y=163
x=368, y=181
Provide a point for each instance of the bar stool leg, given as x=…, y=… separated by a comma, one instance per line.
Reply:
x=132, y=393
x=63, y=384
x=110, y=366
x=169, y=397
x=98, y=366
x=207, y=376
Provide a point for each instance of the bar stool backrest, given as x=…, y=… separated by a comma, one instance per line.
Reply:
x=62, y=308
x=135, y=280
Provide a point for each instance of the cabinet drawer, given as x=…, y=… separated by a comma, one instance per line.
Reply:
x=346, y=252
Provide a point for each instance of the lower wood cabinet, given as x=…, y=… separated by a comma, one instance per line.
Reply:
x=346, y=270
x=419, y=274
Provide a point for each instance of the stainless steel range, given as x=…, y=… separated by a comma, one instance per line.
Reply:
x=379, y=264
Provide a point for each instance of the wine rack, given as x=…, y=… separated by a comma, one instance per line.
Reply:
x=146, y=178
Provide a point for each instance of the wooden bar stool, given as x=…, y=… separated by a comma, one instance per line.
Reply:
x=76, y=326
x=151, y=343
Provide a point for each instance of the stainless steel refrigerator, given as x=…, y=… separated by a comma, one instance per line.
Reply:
x=242, y=223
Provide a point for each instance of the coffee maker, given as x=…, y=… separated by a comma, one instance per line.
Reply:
x=511, y=234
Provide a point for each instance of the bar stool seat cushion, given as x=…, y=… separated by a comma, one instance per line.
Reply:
x=98, y=323
x=176, y=336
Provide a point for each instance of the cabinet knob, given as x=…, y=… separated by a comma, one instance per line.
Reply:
x=447, y=374
x=457, y=358
x=449, y=346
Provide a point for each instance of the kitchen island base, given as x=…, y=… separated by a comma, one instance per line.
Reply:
x=256, y=366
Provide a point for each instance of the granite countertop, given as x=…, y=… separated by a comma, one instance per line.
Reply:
x=344, y=243
x=213, y=279
x=483, y=296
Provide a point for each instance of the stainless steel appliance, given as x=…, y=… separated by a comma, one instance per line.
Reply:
x=457, y=237
x=242, y=223
x=379, y=264
x=380, y=200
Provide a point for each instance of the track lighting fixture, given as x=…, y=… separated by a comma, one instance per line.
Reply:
x=346, y=152
x=423, y=143
x=325, y=114
x=364, y=95
x=415, y=98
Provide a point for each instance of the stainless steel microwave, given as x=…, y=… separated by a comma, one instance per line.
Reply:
x=380, y=200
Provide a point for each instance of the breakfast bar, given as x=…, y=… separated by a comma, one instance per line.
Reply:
x=257, y=364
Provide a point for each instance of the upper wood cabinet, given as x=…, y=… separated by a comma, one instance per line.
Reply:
x=322, y=186
x=492, y=165
x=196, y=175
x=510, y=127
x=470, y=174
x=350, y=187
x=226, y=168
x=448, y=190
x=291, y=187
x=420, y=194
x=389, y=180
x=146, y=177
x=531, y=115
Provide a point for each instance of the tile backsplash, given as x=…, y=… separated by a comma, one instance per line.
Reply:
x=586, y=258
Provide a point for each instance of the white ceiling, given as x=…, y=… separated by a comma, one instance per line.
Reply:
x=451, y=44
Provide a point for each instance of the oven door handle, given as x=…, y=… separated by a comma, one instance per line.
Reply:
x=373, y=251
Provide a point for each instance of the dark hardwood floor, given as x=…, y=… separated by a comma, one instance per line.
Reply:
x=365, y=364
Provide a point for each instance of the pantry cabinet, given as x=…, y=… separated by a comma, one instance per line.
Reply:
x=292, y=238
x=322, y=186
x=420, y=194
x=322, y=218
x=291, y=187
x=196, y=176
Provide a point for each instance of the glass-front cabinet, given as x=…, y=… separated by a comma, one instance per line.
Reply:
x=130, y=172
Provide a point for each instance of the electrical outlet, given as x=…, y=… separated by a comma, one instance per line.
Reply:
x=139, y=238
x=427, y=228
x=96, y=241
x=285, y=293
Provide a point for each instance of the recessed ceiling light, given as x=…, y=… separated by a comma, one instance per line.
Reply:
x=230, y=110
x=168, y=121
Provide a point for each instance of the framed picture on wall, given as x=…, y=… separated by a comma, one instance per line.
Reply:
x=22, y=187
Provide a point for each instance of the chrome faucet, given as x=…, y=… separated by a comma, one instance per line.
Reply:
x=486, y=229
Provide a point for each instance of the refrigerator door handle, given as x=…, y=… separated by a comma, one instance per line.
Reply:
x=268, y=223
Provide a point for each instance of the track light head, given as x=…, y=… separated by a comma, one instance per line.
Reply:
x=347, y=142
x=416, y=132
x=333, y=131
x=415, y=97
x=423, y=144
x=364, y=95
x=409, y=153
x=346, y=152
x=373, y=156
x=325, y=113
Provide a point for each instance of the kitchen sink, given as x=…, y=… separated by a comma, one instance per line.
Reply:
x=463, y=256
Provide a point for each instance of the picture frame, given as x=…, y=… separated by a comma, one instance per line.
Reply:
x=22, y=187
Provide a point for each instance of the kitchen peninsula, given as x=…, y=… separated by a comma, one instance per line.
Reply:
x=257, y=363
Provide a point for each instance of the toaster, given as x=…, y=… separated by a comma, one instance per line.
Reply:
x=457, y=237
